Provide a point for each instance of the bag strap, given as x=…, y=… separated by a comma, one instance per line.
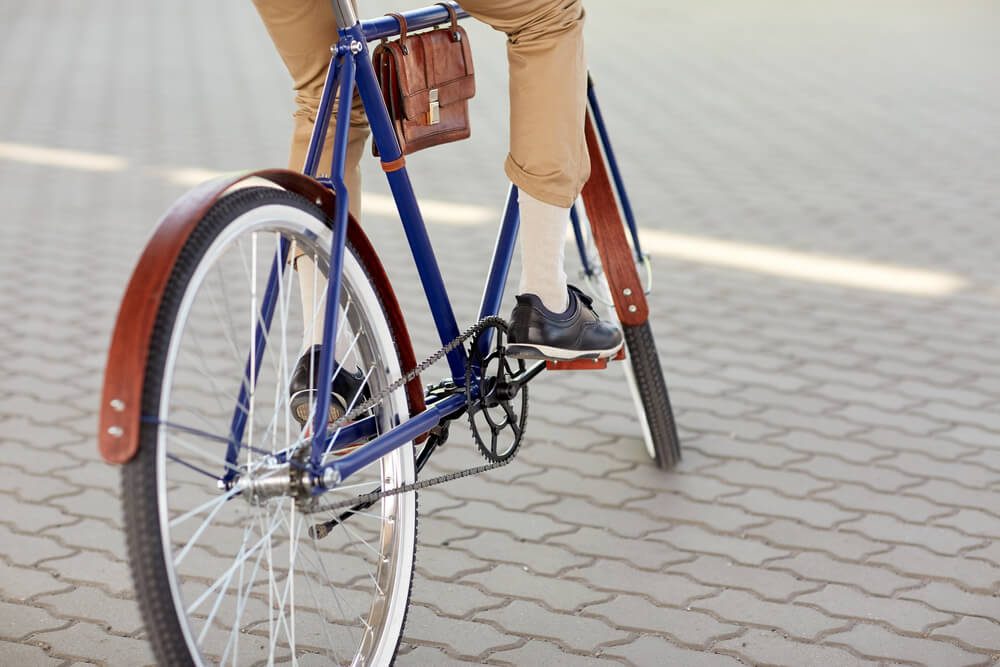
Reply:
x=402, y=30
x=456, y=36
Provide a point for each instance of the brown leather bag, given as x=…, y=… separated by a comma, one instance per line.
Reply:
x=427, y=80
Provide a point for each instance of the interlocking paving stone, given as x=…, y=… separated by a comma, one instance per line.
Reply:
x=972, y=522
x=743, y=607
x=643, y=553
x=968, y=572
x=86, y=639
x=796, y=535
x=770, y=647
x=953, y=494
x=948, y=597
x=662, y=587
x=877, y=642
x=744, y=473
x=543, y=558
x=30, y=517
x=990, y=553
x=21, y=583
x=539, y=652
x=853, y=497
x=721, y=572
x=764, y=502
x=681, y=510
x=849, y=602
x=428, y=655
x=559, y=593
x=607, y=491
x=462, y=637
x=919, y=465
x=935, y=446
x=975, y=631
x=445, y=563
x=689, y=482
x=758, y=451
x=95, y=503
x=453, y=599
x=820, y=567
x=831, y=469
x=94, y=605
x=26, y=549
x=90, y=534
x=522, y=525
x=936, y=538
x=623, y=521
x=842, y=393
x=26, y=654
x=972, y=435
x=696, y=539
x=573, y=631
x=653, y=650
x=684, y=625
x=19, y=621
x=91, y=567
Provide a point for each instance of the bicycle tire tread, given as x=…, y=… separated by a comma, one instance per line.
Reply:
x=138, y=477
x=648, y=374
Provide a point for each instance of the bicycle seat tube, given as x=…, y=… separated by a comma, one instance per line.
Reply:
x=343, y=11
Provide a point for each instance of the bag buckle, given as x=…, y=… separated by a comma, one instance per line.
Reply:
x=433, y=108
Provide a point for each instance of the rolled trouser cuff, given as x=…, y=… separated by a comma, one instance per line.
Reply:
x=559, y=189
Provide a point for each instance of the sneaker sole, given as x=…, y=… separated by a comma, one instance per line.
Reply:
x=301, y=404
x=524, y=351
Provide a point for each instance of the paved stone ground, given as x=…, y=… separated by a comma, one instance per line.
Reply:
x=838, y=499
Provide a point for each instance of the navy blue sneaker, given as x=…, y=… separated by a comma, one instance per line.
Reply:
x=345, y=387
x=577, y=333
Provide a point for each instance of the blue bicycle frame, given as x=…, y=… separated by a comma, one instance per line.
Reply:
x=350, y=68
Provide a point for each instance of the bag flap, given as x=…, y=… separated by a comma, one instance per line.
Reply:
x=433, y=60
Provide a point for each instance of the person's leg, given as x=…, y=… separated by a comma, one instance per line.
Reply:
x=549, y=164
x=548, y=156
x=302, y=32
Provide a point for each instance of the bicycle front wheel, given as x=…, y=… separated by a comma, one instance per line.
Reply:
x=230, y=573
x=643, y=371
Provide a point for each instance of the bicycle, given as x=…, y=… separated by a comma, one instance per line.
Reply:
x=250, y=536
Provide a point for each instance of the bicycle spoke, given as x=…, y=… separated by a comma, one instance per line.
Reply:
x=257, y=586
x=244, y=554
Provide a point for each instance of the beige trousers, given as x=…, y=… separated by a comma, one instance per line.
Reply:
x=548, y=78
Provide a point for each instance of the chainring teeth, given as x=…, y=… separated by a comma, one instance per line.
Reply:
x=513, y=420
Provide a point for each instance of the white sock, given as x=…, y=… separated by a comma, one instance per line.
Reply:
x=543, y=243
x=312, y=291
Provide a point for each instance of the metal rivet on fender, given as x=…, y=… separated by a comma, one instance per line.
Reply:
x=632, y=308
x=116, y=431
x=627, y=291
x=117, y=404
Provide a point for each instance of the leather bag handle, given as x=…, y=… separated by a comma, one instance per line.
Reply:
x=456, y=36
x=402, y=30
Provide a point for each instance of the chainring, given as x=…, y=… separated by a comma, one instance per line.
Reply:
x=497, y=415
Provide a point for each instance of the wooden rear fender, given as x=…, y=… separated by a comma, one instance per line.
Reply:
x=121, y=398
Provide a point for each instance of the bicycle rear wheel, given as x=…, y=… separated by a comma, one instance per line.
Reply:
x=235, y=576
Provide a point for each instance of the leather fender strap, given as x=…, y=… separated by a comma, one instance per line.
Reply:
x=121, y=398
x=608, y=227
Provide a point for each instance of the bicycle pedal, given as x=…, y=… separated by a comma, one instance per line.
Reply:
x=583, y=364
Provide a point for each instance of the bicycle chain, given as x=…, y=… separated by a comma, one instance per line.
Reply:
x=372, y=497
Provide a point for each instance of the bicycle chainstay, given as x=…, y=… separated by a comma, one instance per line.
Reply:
x=374, y=496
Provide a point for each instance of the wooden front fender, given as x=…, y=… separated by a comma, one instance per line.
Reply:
x=125, y=373
x=608, y=228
